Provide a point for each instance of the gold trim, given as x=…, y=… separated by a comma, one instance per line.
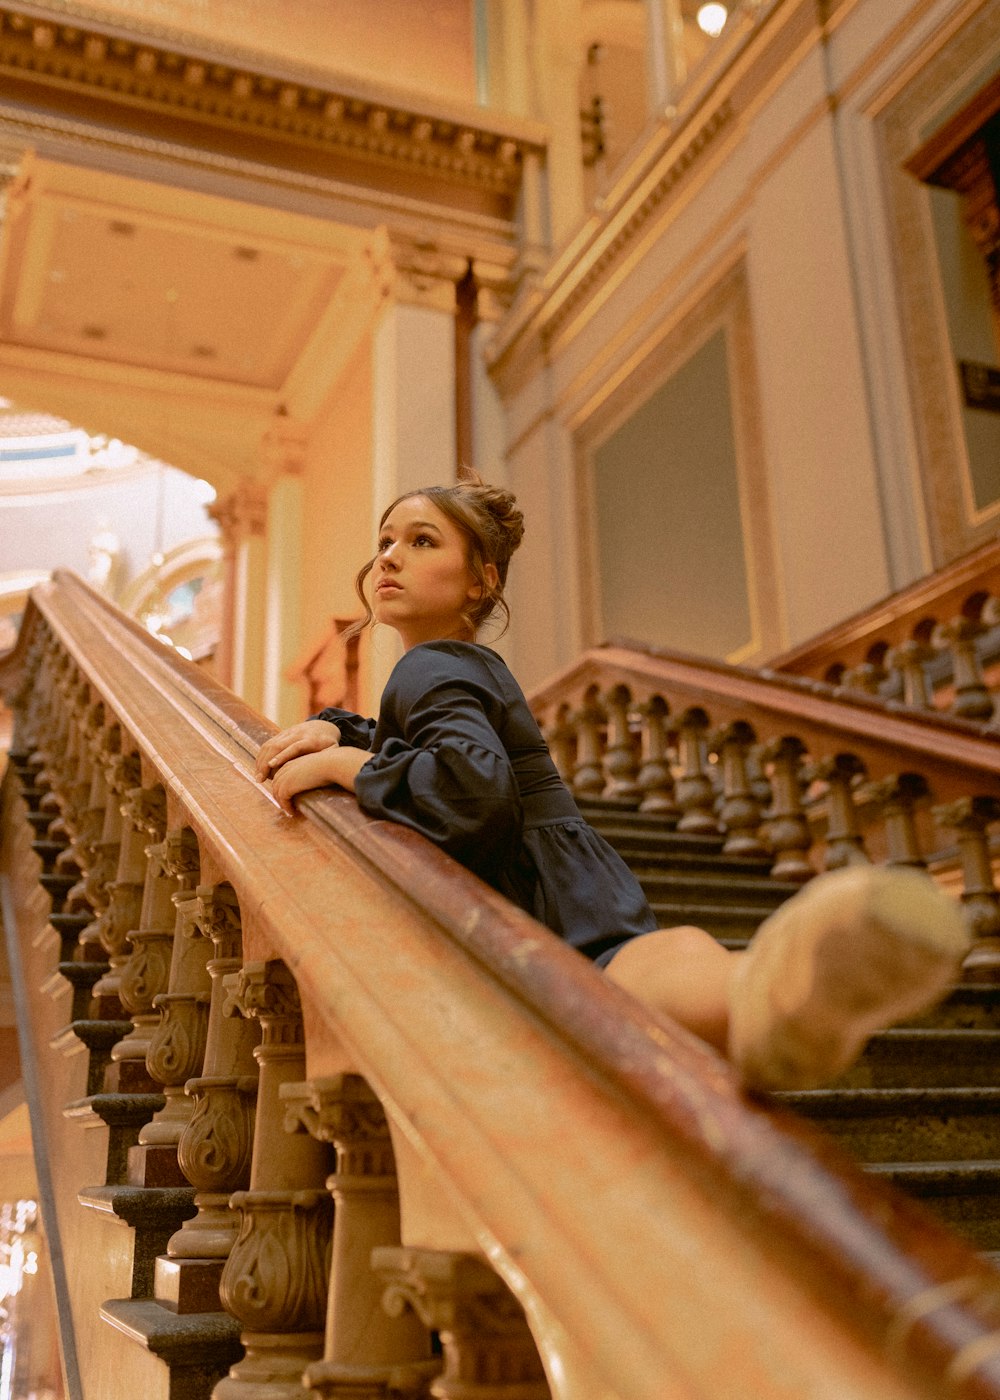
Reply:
x=231, y=94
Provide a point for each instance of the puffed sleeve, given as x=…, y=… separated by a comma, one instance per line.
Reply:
x=356, y=732
x=443, y=770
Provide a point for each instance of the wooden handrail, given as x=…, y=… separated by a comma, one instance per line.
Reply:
x=945, y=594
x=667, y=1234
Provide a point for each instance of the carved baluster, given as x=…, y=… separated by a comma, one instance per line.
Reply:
x=489, y=1352
x=145, y=812
x=588, y=772
x=897, y=797
x=844, y=843
x=656, y=782
x=276, y=1277
x=788, y=831
x=621, y=763
x=970, y=818
x=739, y=811
x=972, y=698
x=694, y=789
x=909, y=659
x=866, y=678
x=100, y=869
x=125, y=841
x=369, y=1354
x=75, y=803
x=561, y=739
x=167, y=915
x=215, y=1146
x=91, y=798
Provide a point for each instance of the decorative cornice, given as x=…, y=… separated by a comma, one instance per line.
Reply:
x=177, y=80
x=629, y=228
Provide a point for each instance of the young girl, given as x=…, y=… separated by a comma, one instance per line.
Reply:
x=456, y=755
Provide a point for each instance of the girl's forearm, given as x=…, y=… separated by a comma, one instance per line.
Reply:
x=343, y=765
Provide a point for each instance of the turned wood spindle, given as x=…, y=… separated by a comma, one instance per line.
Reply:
x=694, y=789
x=844, y=842
x=897, y=797
x=588, y=771
x=621, y=761
x=787, y=829
x=972, y=698
x=910, y=659
x=560, y=736
x=656, y=781
x=970, y=819
x=739, y=810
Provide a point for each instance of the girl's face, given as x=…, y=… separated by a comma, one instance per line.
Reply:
x=421, y=581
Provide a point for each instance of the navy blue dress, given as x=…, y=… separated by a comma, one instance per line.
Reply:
x=459, y=758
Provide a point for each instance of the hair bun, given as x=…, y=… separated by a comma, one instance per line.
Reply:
x=501, y=505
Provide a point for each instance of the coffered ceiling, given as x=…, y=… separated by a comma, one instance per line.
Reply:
x=180, y=321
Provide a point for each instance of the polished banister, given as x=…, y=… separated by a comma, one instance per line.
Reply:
x=667, y=1235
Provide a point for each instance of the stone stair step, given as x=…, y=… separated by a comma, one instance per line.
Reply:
x=969, y=1006
x=907, y=1124
x=199, y=1348
x=724, y=887
x=153, y=1212
x=731, y=924
x=927, y=1057
x=965, y=1195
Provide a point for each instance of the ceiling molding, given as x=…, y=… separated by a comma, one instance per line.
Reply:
x=229, y=94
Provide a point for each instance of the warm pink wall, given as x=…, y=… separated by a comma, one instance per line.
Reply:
x=426, y=46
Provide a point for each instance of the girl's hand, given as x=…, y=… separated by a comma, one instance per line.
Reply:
x=330, y=765
x=311, y=736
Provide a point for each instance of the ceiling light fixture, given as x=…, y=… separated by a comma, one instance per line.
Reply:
x=712, y=18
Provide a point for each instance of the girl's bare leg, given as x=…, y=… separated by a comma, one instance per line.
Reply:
x=683, y=971
x=851, y=953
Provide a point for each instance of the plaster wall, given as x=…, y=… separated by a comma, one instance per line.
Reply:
x=792, y=191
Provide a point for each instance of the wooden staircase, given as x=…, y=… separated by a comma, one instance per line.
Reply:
x=922, y=1106
x=574, y=1196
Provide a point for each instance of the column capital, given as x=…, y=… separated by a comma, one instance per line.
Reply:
x=414, y=271
x=283, y=448
x=242, y=513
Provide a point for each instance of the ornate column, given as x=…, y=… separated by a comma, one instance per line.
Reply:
x=242, y=519
x=489, y=1352
x=369, y=1353
x=414, y=413
x=275, y=1279
x=283, y=460
x=216, y=1143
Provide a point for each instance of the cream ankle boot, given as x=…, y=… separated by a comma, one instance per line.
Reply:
x=852, y=952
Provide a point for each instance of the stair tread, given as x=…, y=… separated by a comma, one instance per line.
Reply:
x=874, y=1100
